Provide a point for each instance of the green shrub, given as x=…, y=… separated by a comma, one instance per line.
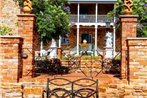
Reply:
x=5, y=30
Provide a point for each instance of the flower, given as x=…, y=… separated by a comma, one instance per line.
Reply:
x=115, y=23
x=66, y=35
x=47, y=19
x=140, y=27
x=40, y=1
x=73, y=23
x=141, y=0
x=144, y=14
x=67, y=8
x=21, y=9
x=145, y=5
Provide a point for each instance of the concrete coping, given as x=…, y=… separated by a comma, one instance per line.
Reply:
x=28, y=15
x=128, y=16
x=137, y=38
x=10, y=37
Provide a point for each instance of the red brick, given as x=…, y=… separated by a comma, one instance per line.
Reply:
x=11, y=58
x=27, y=22
x=127, y=30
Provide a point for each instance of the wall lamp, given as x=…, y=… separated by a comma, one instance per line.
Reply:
x=24, y=55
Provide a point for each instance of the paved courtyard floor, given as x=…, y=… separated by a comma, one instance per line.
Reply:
x=102, y=77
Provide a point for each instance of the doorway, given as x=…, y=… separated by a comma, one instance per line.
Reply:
x=86, y=37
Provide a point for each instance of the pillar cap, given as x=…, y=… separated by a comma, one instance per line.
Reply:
x=11, y=37
x=128, y=16
x=28, y=15
x=138, y=38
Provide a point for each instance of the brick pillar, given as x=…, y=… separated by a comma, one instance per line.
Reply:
x=26, y=30
x=10, y=59
x=128, y=29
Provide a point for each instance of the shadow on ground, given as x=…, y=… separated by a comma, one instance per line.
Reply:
x=55, y=67
x=51, y=67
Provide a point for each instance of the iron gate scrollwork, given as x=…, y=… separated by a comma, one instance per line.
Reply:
x=64, y=88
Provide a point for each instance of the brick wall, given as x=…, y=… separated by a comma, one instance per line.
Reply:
x=32, y=88
x=137, y=57
x=8, y=15
x=10, y=59
x=118, y=89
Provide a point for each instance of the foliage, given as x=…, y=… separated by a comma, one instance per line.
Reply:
x=139, y=8
x=50, y=66
x=4, y=30
x=52, y=18
x=64, y=57
x=20, y=2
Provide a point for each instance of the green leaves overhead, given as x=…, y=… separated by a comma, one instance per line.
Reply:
x=52, y=19
x=139, y=8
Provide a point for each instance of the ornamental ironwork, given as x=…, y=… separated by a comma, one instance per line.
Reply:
x=128, y=4
x=27, y=7
x=80, y=88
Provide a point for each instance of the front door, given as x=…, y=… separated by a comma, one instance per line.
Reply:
x=86, y=37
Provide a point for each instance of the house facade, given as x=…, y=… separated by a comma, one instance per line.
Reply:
x=90, y=24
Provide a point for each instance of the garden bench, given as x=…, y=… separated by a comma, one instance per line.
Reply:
x=64, y=88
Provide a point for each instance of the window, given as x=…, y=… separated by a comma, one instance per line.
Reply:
x=64, y=40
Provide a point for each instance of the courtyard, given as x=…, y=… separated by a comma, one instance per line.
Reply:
x=115, y=67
